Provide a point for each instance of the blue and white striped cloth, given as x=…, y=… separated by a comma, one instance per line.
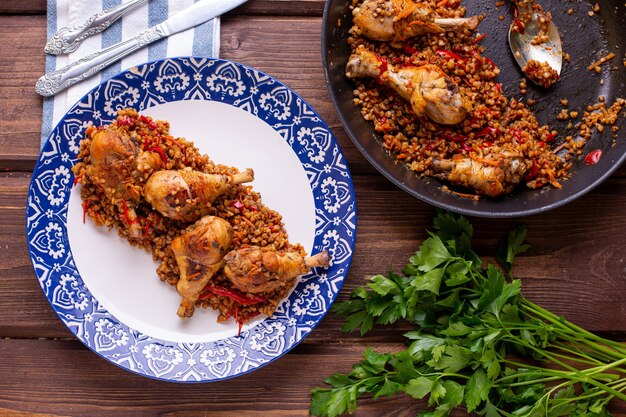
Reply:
x=203, y=40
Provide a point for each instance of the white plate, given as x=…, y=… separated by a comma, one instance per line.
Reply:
x=108, y=293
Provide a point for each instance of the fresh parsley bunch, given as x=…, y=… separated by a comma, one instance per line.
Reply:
x=477, y=342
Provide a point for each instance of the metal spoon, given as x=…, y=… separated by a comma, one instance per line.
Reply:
x=522, y=48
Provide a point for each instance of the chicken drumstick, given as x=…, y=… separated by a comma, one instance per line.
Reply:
x=199, y=254
x=255, y=270
x=493, y=175
x=429, y=90
x=187, y=195
x=398, y=20
x=115, y=159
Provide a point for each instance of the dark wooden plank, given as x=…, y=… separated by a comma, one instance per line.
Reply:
x=20, y=108
x=265, y=7
x=23, y=6
x=86, y=385
x=287, y=48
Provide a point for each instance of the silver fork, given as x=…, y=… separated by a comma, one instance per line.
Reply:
x=67, y=39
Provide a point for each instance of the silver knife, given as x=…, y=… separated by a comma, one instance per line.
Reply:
x=68, y=39
x=89, y=65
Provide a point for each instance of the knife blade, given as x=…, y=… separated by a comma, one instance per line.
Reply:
x=192, y=16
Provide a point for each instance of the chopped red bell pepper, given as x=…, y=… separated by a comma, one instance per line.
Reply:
x=124, y=121
x=593, y=157
x=237, y=204
x=161, y=153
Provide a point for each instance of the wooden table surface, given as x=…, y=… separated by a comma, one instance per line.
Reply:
x=576, y=267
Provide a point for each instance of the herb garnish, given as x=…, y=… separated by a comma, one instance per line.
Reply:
x=477, y=342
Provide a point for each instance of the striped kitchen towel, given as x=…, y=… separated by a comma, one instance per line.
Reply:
x=203, y=40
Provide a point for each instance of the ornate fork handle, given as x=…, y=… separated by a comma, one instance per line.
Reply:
x=58, y=80
x=67, y=39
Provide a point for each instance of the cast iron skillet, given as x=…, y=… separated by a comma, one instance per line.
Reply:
x=585, y=38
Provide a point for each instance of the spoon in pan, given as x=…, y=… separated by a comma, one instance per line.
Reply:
x=524, y=38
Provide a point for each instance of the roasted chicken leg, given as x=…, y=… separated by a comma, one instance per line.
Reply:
x=187, y=195
x=115, y=159
x=429, y=90
x=199, y=254
x=397, y=20
x=256, y=270
x=493, y=175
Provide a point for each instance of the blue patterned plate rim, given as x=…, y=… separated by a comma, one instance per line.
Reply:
x=164, y=81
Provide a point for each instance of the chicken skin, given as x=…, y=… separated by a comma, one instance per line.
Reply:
x=429, y=90
x=397, y=20
x=493, y=176
x=256, y=270
x=199, y=254
x=115, y=159
x=187, y=195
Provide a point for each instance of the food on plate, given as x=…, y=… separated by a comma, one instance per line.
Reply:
x=117, y=163
x=429, y=90
x=541, y=73
x=199, y=253
x=435, y=101
x=188, y=195
x=161, y=194
x=256, y=270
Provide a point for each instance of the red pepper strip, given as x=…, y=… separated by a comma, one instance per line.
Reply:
x=520, y=26
x=486, y=131
x=490, y=62
x=85, y=207
x=238, y=296
x=450, y=54
x=126, y=215
x=550, y=137
x=77, y=179
x=480, y=38
x=161, y=153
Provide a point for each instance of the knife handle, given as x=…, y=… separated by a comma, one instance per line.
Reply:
x=87, y=66
x=67, y=39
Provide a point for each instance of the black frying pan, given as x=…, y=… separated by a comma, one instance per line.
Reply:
x=585, y=38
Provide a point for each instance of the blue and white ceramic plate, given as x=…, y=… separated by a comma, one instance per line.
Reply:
x=108, y=293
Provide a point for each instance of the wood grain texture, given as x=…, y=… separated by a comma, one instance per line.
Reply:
x=263, y=7
x=576, y=266
x=86, y=385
